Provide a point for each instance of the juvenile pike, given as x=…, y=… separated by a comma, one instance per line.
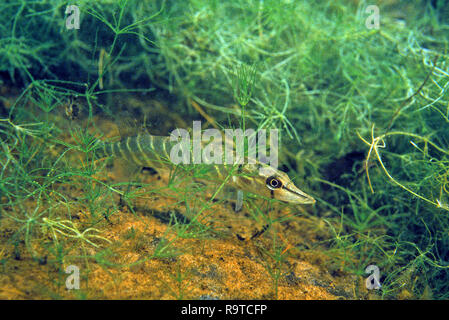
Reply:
x=154, y=151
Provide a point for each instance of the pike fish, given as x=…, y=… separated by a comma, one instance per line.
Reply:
x=255, y=177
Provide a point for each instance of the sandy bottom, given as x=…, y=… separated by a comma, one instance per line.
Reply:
x=223, y=264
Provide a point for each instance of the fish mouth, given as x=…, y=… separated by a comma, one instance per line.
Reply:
x=308, y=200
x=300, y=196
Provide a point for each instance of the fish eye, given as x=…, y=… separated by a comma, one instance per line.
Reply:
x=273, y=183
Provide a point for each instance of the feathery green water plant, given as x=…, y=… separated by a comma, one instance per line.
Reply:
x=334, y=88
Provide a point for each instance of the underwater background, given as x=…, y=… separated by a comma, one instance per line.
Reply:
x=357, y=90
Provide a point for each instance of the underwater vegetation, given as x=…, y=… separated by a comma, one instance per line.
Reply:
x=363, y=116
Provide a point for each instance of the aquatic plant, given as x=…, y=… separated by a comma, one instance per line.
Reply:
x=363, y=115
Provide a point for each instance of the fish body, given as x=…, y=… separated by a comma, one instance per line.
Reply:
x=251, y=175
